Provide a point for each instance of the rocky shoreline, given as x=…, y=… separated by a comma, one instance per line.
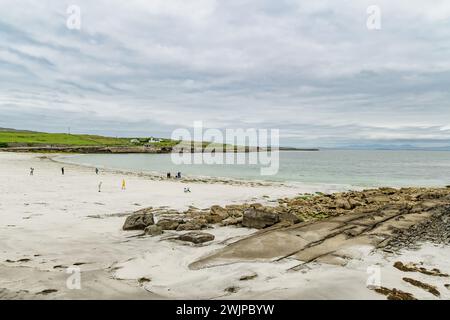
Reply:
x=379, y=205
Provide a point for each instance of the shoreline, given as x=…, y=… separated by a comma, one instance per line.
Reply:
x=334, y=169
x=330, y=187
x=160, y=175
x=51, y=222
x=134, y=149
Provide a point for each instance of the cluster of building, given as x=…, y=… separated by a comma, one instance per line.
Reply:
x=147, y=142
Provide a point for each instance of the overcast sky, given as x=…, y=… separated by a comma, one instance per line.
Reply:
x=309, y=68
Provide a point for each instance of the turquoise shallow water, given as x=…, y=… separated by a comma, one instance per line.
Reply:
x=356, y=168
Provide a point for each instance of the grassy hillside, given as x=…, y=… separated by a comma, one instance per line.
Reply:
x=37, y=138
x=64, y=139
x=14, y=138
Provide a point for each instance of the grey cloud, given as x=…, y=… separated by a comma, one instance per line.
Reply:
x=309, y=68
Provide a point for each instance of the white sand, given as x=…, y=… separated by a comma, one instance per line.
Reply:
x=45, y=218
x=48, y=215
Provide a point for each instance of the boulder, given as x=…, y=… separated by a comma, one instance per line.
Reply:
x=196, y=237
x=259, y=219
x=231, y=221
x=378, y=200
x=355, y=203
x=236, y=213
x=388, y=191
x=168, y=224
x=256, y=205
x=213, y=219
x=138, y=221
x=343, y=203
x=191, y=225
x=289, y=217
x=240, y=207
x=219, y=211
x=153, y=230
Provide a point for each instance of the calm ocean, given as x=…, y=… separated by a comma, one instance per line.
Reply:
x=356, y=168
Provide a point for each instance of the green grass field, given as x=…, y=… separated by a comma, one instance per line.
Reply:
x=64, y=139
x=37, y=138
x=11, y=138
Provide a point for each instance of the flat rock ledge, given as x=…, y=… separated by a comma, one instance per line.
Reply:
x=401, y=217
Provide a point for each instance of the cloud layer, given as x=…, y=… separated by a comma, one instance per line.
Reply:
x=310, y=68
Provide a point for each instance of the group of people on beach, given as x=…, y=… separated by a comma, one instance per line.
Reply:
x=62, y=171
x=97, y=171
x=101, y=183
x=177, y=176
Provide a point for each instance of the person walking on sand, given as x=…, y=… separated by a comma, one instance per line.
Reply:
x=62, y=170
x=100, y=186
x=31, y=171
x=123, y=184
x=96, y=170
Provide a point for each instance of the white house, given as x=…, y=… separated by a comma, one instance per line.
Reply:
x=154, y=140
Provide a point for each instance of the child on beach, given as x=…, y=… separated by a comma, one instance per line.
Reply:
x=31, y=171
x=62, y=170
x=123, y=184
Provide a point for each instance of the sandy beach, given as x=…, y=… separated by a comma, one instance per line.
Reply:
x=50, y=222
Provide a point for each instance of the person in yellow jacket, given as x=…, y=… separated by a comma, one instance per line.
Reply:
x=123, y=184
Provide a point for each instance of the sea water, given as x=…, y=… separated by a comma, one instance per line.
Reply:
x=347, y=167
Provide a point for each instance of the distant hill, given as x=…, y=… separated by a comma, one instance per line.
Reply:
x=406, y=147
x=12, y=138
x=14, y=130
x=25, y=138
